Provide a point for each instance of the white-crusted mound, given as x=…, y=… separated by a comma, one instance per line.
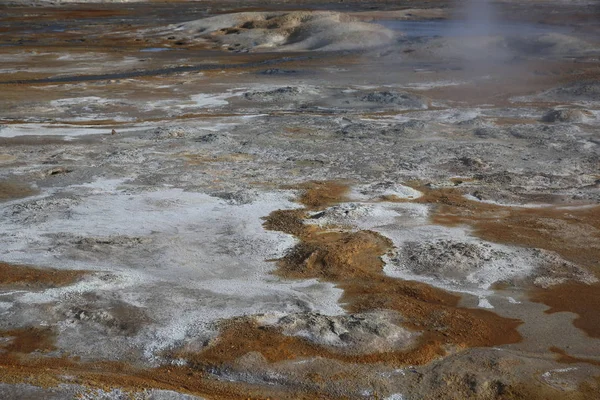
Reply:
x=364, y=333
x=298, y=30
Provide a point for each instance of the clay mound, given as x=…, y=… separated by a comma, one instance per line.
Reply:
x=405, y=100
x=371, y=332
x=445, y=259
x=564, y=116
x=292, y=31
x=279, y=94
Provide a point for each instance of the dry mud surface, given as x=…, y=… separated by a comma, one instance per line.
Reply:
x=300, y=200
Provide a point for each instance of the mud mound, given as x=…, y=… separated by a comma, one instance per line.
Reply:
x=564, y=116
x=360, y=130
x=445, y=258
x=462, y=263
x=387, y=98
x=102, y=243
x=413, y=128
x=278, y=71
x=477, y=122
x=40, y=210
x=410, y=129
x=371, y=332
x=279, y=94
x=342, y=214
x=172, y=132
x=286, y=31
x=117, y=317
x=553, y=270
x=385, y=189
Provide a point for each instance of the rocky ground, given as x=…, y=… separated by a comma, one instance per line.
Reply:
x=300, y=200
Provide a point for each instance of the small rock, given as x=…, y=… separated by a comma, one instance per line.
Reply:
x=58, y=171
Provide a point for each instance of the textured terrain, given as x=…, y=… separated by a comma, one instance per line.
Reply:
x=300, y=200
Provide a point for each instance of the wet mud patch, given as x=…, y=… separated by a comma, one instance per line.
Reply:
x=574, y=297
x=24, y=276
x=13, y=190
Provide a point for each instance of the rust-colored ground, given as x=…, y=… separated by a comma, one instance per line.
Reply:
x=352, y=260
x=566, y=358
x=318, y=194
x=28, y=340
x=22, y=359
x=24, y=276
x=573, y=233
x=241, y=337
x=20, y=367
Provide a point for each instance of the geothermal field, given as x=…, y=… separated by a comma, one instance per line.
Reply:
x=313, y=199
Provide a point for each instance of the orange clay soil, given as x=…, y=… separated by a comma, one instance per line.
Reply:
x=240, y=337
x=50, y=372
x=20, y=275
x=564, y=357
x=18, y=366
x=22, y=361
x=318, y=194
x=572, y=233
x=352, y=260
x=28, y=340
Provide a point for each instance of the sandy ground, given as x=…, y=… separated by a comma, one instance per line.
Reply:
x=300, y=200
